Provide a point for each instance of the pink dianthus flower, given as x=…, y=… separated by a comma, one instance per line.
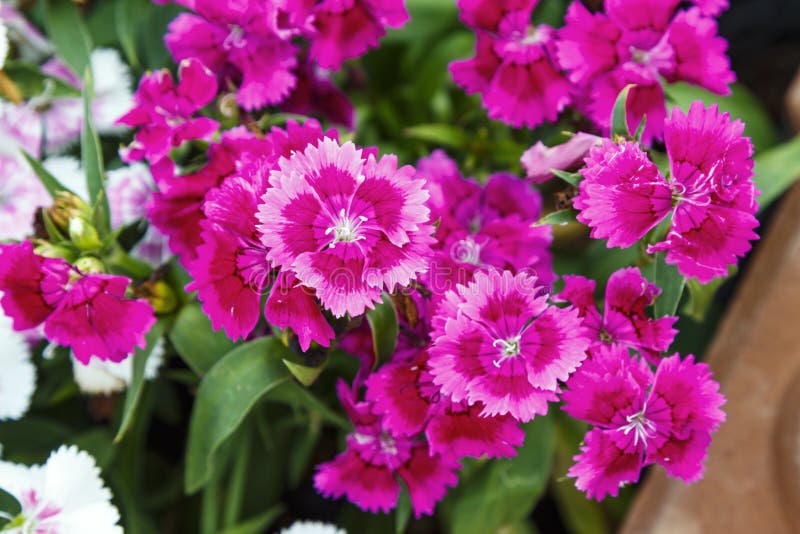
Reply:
x=710, y=193
x=498, y=342
x=87, y=312
x=366, y=473
x=639, y=42
x=640, y=418
x=624, y=321
x=514, y=66
x=346, y=225
x=163, y=111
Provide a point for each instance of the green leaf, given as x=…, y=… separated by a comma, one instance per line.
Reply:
x=227, y=393
x=33, y=82
x=619, y=116
x=257, y=524
x=776, y=170
x=640, y=129
x=504, y=492
x=671, y=283
x=558, y=217
x=8, y=505
x=383, y=323
x=741, y=104
x=135, y=389
x=92, y=163
x=702, y=296
x=440, y=134
x=127, y=15
x=49, y=181
x=304, y=374
x=581, y=515
x=67, y=30
x=572, y=178
x=402, y=514
x=196, y=343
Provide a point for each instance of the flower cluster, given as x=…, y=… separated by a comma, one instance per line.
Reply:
x=450, y=290
x=527, y=74
x=255, y=45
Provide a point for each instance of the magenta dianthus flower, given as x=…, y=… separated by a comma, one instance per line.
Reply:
x=639, y=42
x=403, y=392
x=514, y=67
x=163, y=111
x=347, y=225
x=87, y=312
x=237, y=39
x=624, y=321
x=710, y=193
x=641, y=418
x=347, y=28
x=498, y=342
x=366, y=473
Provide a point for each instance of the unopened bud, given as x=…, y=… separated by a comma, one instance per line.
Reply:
x=83, y=234
x=159, y=294
x=66, y=207
x=90, y=265
x=50, y=250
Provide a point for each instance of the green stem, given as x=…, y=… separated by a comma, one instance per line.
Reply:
x=238, y=480
x=136, y=268
x=209, y=513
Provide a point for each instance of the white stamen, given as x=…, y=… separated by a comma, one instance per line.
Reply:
x=235, y=39
x=642, y=428
x=345, y=229
x=509, y=348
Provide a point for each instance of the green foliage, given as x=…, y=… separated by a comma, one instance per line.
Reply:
x=501, y=493
x=619, y=115
x=67, y=29
x=776, y=170
x=195, y=341
x=383, y=324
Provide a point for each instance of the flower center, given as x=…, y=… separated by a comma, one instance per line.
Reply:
x=345, y=229
x=467, y=251
x=235, y=38
x=642, y=428
x=388, y=445
x=509, y=348
x=640, y=56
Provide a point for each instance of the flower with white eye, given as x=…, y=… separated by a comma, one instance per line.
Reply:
x=65, y=495
x=18, y=375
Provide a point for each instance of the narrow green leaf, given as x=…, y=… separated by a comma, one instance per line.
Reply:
x=776, y=170
x=640, y=129
x=572, y=178
x=383, y=323
x=257, y=524
x=558, y=217
x=52, y=230
x=49, y=181
x=402, y=514
x=619, y=116
x=226, y=395
x=506, y=491
x=92, y=162
x=304, y=374
x=671, y=283
x=127, y=14
x=441, y=134
x=293, y=395
x=33, y=82
x=196, y=343
x=135, y=388
x=67, y=30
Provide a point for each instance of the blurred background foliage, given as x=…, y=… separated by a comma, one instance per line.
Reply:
x=406, y=103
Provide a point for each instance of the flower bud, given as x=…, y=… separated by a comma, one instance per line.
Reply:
x=83, y=234
x=159, y=294
x=66, y=207
x=90, y=265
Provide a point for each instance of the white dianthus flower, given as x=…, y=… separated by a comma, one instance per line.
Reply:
x=65, y=495
x=312, y=527
x=17, y=373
